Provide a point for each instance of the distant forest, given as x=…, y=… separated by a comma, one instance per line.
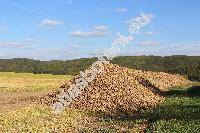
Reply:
x=177, y=64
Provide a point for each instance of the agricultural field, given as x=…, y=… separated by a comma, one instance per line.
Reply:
x=179, y=113
x=28, y=82
x=20, y=111
x=21, y=89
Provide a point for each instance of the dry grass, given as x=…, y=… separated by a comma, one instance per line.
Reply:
x=27, y=82
x=19, y=113
x=177, y=114
x=39, y=119
x=36, y=118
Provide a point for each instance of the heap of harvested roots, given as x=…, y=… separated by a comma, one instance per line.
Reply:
x=121, y=90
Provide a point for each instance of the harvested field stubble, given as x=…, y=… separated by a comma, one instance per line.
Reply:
x=119, y=90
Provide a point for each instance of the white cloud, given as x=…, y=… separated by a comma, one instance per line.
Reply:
x=12, y=44
x=56, y=54
x=181, y=49
x=147, y=16
x=121, y=10
x=100, y=27
x=25, y=44
x=31, y=40
x=69, y=2
x=150, y=43
x=3, y=29
x=97, y=31
x=196, y=46
x=75, y=46
x=130, y=20
x=47, y=23
x=148, y=33
x=3, y=55
x=52, y=51
x=150, y=15
x=88, y=33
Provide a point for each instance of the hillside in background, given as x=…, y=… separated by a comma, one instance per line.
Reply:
x=178, y=64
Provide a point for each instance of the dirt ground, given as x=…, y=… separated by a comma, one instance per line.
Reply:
x=13, y=101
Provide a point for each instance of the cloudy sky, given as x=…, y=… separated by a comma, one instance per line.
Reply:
x=68, y=29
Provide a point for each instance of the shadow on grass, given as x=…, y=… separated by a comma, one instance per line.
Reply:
x=181, y=105
x=178, y=112
x=164, y=112
x=193, y=91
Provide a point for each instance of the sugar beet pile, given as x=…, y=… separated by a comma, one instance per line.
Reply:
x=119, y=89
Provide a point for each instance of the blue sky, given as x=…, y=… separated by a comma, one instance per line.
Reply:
x=68, y=29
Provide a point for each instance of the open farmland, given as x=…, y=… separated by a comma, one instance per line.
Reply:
x=27, y=82
x=113, y=66
x=20, y=113
x=21, y=89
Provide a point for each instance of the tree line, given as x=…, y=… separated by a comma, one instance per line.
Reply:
x=177, y=64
